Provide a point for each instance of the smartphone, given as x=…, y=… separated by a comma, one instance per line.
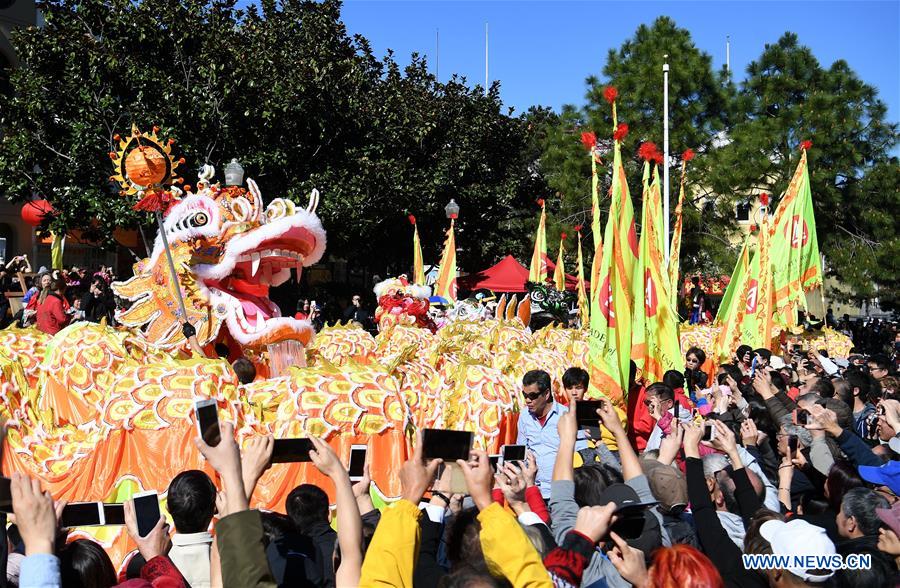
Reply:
x=292, y=450
x=494, y=460
x=446, y=445
x=709, y=432
x=586, y=412
x=357, y=462
x=5, y=495
x=146, y=511
x=513, y=453
x=753, y=366
x=114, y=514
x=792, y=445
x=801, y=416
x=83, y=514
x=207, y=413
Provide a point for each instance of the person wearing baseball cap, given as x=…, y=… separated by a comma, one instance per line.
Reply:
x=669, y=487
x=797, y=538
x=887, y=476
x=634, y=521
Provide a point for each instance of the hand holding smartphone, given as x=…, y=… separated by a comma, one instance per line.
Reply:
x=446, y=445
x=513, y=453
x=207, y=413
x=292, y=450
x=357, y=466
x=146, y=511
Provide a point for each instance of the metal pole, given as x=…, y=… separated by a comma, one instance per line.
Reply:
x=486, y=78
x=728, y=53
x=437, y=59
x=165, y=240
x=666, y=155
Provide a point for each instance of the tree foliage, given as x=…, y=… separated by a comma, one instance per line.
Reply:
x=283, y=88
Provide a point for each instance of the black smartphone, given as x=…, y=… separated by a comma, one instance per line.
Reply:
x=494, y=461
x=146, y=511
x=5, y=495
x=114, y=514
x=586, y=412
x=792, y=445
x=446, y=445
x=802, y=416
x=207, y=413
x=513, y=453
x=357, y=462
x=291, y=450
x=82, y=514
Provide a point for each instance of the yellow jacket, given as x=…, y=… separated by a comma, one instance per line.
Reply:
x=507, y=550
x=394, y=550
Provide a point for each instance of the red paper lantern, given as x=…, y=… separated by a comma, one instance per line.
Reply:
x=34, y=212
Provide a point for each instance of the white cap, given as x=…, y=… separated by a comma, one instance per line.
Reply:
x=776, y=362
x=797, y=537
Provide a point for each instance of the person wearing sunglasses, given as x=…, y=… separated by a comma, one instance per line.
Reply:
x=537, y=425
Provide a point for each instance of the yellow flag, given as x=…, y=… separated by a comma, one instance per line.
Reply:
x=675, y=247
x=733, y=307
x=655, y=347
x=445, y=287
x=538, y=270
x=418, y=263
x=583, y=303
x=559, y=272
x=56, y=251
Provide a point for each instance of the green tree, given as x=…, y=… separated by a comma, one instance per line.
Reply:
x=285, y=89
x=788, y=97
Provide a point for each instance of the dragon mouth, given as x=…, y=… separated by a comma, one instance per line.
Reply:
x=243, y=296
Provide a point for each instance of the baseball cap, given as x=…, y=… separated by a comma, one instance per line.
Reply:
x=667, y=484
x=624, y=497
x=886, y=475
x=799, y=538
x=890, y=517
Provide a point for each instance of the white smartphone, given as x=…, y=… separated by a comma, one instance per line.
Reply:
x=709, y=432
x=357, y=462
x=207, y=413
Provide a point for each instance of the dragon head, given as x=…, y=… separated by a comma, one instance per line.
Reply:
x=227, y=250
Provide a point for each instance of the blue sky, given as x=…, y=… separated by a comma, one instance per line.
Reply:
x=541, y=51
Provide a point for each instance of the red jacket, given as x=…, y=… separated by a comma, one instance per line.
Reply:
x=51, y=314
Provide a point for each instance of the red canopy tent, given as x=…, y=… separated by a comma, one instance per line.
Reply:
x=508, y=275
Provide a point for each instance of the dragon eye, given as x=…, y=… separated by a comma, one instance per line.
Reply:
x=198, y=220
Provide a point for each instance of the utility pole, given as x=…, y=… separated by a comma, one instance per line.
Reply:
x=486, y=78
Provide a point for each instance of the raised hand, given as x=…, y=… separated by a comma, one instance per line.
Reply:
x=724, y=438
x=35, y=515
x=479, y=478
x=256, y=460
x=326, y=460
x=156, y=542
x=567, y=426
x=512, y=484
x=823, y=419
x=361, y=488
x=416, y=476
x=609, y=418
x=671, y=443
x=691, y=440
x=749, y=432
x=594, y=521
x=530, y=469
x=629, y=562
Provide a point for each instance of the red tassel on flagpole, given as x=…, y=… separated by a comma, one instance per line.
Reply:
x=647, y=151
x=806, y=145
x=764, y=199
x=621, y=132
x=577, y=228
x=610, y=93
x=688, y=155
x=589, y=140
x=540, y=202
x=412, y=219
x=563, y=236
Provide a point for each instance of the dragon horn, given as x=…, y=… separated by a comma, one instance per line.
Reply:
x=313, y=201
x=501, y=308
x=511, y=308
x=524, y=312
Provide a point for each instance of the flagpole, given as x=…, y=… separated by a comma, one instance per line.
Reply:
x=485, y=59
x=666, y=156
x=822, y=292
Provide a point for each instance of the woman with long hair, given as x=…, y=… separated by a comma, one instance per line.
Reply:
x=52, y=307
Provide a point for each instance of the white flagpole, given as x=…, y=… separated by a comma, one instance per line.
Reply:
x=486, y=78
x=666, y=155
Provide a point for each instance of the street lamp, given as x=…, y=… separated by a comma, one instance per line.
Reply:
x=452, y=209
x=234, y=173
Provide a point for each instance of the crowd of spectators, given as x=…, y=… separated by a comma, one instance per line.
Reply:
x=793, y=455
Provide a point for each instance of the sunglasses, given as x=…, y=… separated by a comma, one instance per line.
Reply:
x=533, y=395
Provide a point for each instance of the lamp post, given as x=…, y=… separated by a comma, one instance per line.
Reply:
x=452, y=209
x=234, y=173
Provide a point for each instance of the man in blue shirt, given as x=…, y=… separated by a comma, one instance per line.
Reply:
x=537, y=426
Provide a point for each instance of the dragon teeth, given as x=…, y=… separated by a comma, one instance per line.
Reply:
x=254, y=258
